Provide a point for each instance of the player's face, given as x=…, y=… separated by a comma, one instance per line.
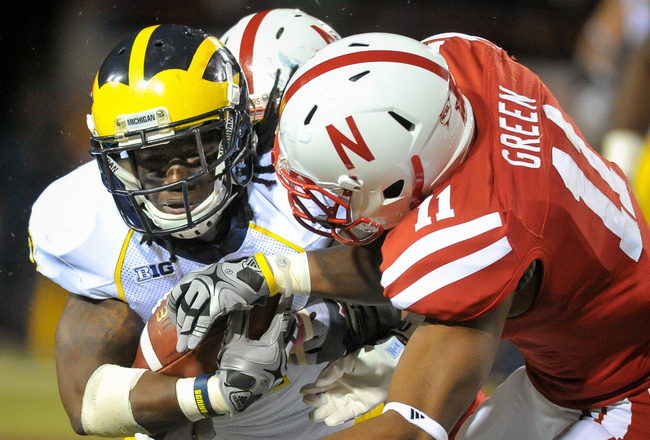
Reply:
x=172, y=162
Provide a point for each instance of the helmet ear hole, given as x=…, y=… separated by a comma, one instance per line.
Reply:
x=394, y=190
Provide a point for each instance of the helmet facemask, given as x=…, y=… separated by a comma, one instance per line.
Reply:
x=324, y=211
x=208, y=163
x=170, y=130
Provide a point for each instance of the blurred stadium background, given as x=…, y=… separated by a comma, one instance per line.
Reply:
x=50, y=55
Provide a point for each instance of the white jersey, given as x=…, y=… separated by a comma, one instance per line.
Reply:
x=80, y=241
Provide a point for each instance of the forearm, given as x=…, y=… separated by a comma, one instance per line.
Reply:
x=342, y=273
x=155, y=404
x=439, y=374
x=454, y=371
x=91, y=334
x=347, y=273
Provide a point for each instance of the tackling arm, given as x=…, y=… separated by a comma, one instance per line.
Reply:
x=458, y=359
x=347, y=273
x=341, y=273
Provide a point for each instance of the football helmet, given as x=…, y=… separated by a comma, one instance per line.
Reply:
x=272, y=40
x=367, y=127
x=170, y=128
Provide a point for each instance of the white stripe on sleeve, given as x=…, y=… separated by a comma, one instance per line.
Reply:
x=452, y=272
x=437, y=240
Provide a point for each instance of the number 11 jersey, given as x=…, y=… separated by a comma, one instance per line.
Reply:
x=531, y=189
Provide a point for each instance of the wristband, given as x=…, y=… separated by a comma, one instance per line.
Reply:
x=291, y=273
x=201, y=396
x=418, y=418
x=195, y=399
x=267, y=272
x=297, y=355
x=185, y=398
x=407, y=327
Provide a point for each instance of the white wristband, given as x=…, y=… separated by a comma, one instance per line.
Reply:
x=105, y=408
x=291, y=273
x=418, y=418
x=199, y=397
x=186, y=400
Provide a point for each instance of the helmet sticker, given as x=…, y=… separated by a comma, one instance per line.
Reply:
x=339, y=140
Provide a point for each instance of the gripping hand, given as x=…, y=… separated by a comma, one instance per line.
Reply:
x=329, y=329
x=358, y=382
x=249, y=368
x=353, y=385
x=204, y=295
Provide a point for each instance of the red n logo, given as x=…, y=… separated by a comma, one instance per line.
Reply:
x=339, y=140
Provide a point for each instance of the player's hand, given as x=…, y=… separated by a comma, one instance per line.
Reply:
x=250, y=368
x=358, y=382
x=353, y=385
x=328, y=329
x=204, y=295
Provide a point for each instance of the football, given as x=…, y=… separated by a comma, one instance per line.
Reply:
x=157, y=349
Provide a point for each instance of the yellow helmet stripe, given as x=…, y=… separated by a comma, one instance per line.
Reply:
x=136, y=62
x=202, y=57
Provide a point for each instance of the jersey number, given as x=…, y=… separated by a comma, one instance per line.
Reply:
x=444, y=209
x=620, y=221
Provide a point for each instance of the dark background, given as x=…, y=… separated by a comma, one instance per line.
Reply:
x=50, y=54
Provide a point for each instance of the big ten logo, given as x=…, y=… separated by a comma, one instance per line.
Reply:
x=154, y=271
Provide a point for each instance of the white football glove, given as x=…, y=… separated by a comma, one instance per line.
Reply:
x=358, y=382
x=353, y=385
x=204, y=295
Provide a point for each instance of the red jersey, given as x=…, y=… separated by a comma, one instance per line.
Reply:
x=532, y=189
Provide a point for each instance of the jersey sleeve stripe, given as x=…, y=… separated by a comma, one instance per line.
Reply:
x=120, y=263
x=438, y=240
x=452, y=272
x=275, y=237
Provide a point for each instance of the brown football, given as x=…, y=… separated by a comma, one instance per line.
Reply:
x=157, y=349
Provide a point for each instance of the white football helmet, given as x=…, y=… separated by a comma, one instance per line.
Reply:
x=368, y=126
x=272, y=40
